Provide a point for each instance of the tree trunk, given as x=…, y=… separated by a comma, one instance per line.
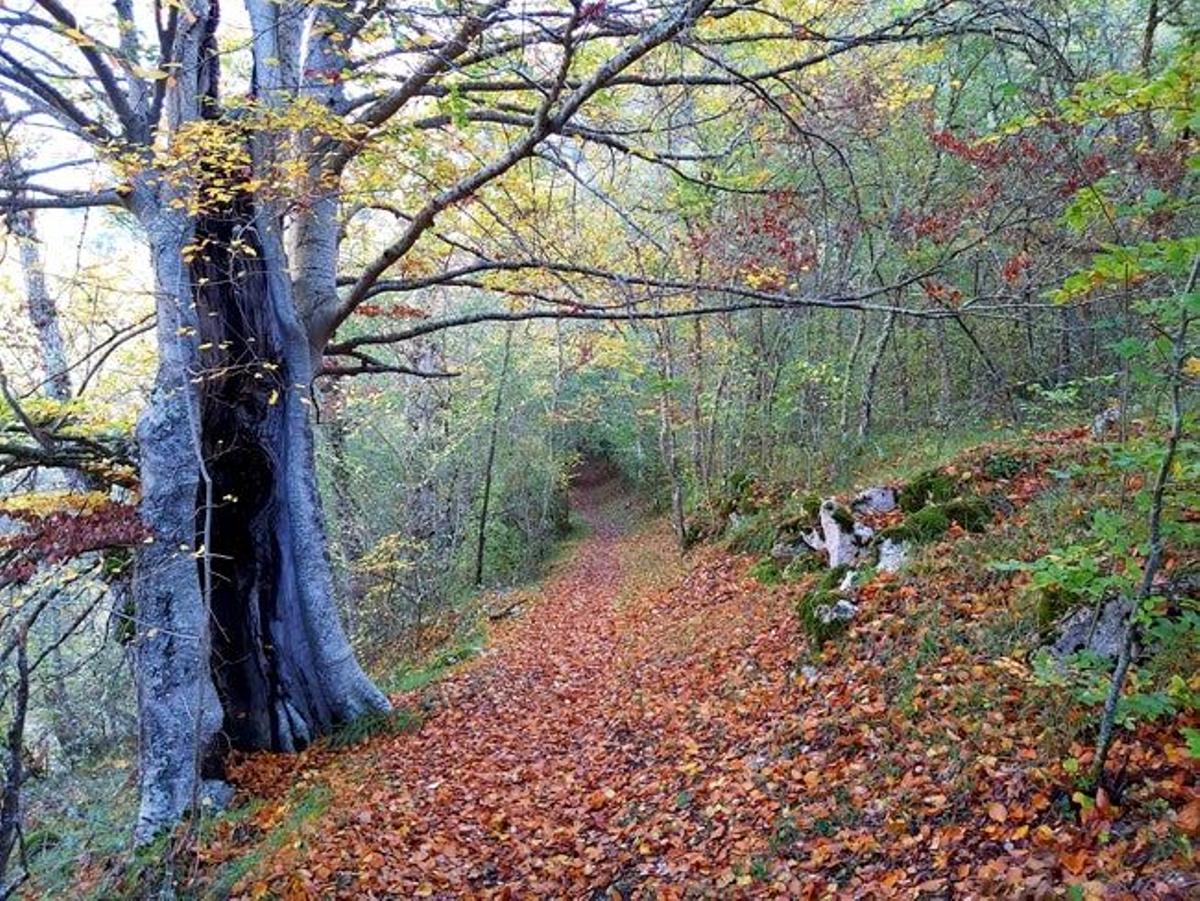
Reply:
x=14, y=771
x=250, y=648
x=43, y=314
x=283, y=668
x=179, y=712
x=493, y=438
x=867, y=404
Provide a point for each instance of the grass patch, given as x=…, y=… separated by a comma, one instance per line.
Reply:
x=414, y=677
x=393, y=722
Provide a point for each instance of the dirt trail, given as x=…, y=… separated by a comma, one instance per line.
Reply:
x=573, y=758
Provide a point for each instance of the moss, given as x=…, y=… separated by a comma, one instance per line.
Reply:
x=1051, y=604
x=754, y=534
x=766, y=571
x=739, y=494
x=930, y=487
x=1002, y=466
x=843, y=517
x=816, y=628
x=798, y=514
x=802, y=566
x=972, y=513
x=824, y=592
x=925, y=525
x=832, y=578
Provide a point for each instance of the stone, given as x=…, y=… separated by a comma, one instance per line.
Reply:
x=892, y=555
x=215, y=795
x=839, y=542
x=880, y=499
x=1075, y=631
x=843, y=611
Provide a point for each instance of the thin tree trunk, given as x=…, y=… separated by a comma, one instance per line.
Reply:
x=666, y=434
x=14, y=774
x=43, y=312
x=698, y=462
x=1147, y=62
x=491, y=458
x=1154, y=561
x=848, y=374
x=867, y=403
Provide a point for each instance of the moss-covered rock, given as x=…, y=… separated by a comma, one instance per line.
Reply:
x=930, y=487
x=972, y=513
x=823, y=593
x=843, y=517
x=926, y=524
x=797, y=515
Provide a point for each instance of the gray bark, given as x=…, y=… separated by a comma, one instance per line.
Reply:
x=179, y=711
x=43, y=313
x=867, y=404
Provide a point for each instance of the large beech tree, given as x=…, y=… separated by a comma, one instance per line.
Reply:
x=239, y=192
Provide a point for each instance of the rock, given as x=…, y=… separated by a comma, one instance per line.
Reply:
x=892, y=555
x=839, y=534
x=1105, y=421
x=1075, y=632
x=810, y=673
x=847, y=583
x=841, y=612
x=215, y=795
x=881, y=499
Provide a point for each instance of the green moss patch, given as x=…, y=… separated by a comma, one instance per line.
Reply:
x=929, y=487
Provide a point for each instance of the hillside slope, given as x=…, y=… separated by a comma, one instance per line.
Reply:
x=657, y=728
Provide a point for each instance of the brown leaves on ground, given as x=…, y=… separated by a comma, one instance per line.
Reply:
x=647, y=730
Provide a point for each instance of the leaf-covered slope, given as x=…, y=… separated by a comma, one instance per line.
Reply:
x=663, y=729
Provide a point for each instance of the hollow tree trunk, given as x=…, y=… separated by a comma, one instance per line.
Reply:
x=249, y=654
x=281, y=663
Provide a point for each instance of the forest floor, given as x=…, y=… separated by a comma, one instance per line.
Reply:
x=654, y=727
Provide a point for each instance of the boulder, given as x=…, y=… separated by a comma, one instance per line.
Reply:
x=892, y=555
x=840, y=612
x=843, y=539
x=1100, y=632
x=881, y=499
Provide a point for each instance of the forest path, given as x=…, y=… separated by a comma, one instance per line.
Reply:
x=604, y=740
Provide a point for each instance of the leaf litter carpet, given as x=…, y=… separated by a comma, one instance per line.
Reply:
x=652, y=728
